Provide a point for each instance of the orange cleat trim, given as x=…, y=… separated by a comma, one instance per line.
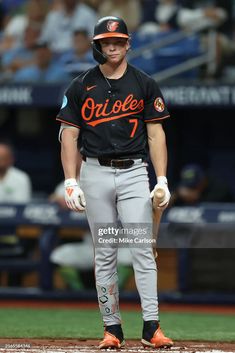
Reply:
x=110, y=341
x=158, y=340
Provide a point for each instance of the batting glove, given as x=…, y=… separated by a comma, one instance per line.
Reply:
x=162, y=184
x=74, y=196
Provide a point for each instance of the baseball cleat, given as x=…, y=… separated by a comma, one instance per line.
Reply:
x=113, y=337
x=154, y=337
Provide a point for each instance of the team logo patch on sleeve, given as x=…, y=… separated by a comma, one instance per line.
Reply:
x=159, y=104
x=112, y=26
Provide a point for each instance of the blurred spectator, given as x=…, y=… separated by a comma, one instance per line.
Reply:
x=171, y=15
x=129, y=10
x=60, y=24
x=197, y=186
x=34, y=15
x=194, y=18
x=22, y=55
x=80, y=58
x=16, y=188
x=168, y=14
x=212, y=16
x=56, y=4
x=94, y=4
x=15, y=185
x=45, y=69
x=227, y=5
x=76, y=262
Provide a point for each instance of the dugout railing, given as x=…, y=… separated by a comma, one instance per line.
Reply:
x=190, y=58
x=208, y=226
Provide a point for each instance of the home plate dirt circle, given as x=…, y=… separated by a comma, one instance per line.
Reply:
x=90, y=346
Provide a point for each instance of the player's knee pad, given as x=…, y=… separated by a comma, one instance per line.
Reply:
x=108, y=296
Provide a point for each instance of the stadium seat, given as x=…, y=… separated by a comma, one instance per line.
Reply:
x=155, y=60
x=178, y=53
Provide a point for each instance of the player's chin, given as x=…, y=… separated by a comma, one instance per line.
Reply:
x=114, y=59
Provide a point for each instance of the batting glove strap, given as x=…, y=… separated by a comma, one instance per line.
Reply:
x=162, y=180
x=70, y=182
x=74, y=196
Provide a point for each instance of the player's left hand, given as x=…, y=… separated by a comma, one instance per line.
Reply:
x=162, y=184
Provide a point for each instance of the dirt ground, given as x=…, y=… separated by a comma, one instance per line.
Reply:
x=90, y=346
x=10, y=345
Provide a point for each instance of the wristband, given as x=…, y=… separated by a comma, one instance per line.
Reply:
x=162, y=180
x=70, y=182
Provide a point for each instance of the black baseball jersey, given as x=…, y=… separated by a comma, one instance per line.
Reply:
x=112, y=114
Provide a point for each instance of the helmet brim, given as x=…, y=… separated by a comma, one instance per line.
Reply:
x=111, y=35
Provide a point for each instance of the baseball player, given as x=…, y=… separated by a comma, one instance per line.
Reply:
x=118, y=110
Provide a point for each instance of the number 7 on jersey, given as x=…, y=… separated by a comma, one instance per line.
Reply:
x=135, y=122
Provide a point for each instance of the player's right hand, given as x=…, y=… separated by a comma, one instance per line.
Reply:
x=74, y=196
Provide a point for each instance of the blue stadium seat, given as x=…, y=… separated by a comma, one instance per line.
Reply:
x=156, y=60
x=146, y=62
x=178, y=53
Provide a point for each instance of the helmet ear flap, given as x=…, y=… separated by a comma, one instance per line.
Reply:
x=97, y=52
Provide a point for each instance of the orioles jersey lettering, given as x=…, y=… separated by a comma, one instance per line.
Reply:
x=112, y=114
x=91, y=109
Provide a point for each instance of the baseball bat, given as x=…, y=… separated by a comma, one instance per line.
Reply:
x=158, y=197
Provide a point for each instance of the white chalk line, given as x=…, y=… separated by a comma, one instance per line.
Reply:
x=89, y=349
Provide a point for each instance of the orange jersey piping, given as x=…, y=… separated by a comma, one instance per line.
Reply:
x=164, y=117
x=66, y=122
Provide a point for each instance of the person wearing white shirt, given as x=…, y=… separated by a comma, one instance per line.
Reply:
x=60, y=24
x=15, y=185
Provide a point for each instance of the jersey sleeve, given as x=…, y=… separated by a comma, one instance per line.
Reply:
x=155, y=107
x=70, y=109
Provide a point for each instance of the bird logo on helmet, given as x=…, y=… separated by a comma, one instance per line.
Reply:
x=107, y=27
x=112, y=26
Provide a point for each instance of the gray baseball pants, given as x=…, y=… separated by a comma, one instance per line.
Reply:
x=123, y=194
